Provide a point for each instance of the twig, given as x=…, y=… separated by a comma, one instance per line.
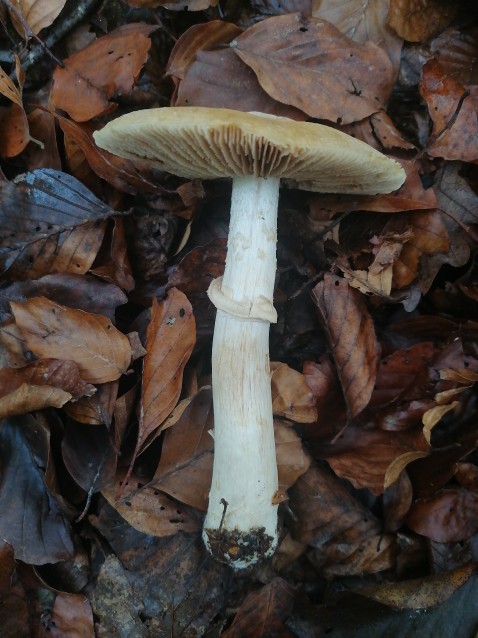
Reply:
x=66, y=24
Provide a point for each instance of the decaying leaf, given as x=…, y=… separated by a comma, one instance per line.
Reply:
x=149, y=510
x=38, y=14
x=450, y=515
x=309, y=64
x=419, y=593
x=454, y=111
x=352, y=339
x=346, y=538
x=32, y=521
x=291, y=396
x=108, y=66
x=100, y=350
x=266, y=608
x=170, y=340
x=420, y=20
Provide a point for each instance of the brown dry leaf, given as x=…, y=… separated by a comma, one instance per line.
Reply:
x=434, y=416
x=200, y=37
x=38, y=14
x=49, y=230
x=149, y=510
x=397, y=466
x=363, y=456
x=292, y=460
x=453, y=109
x=378, y=131
x=420, y=20
x=400, y=373
x=13, y=120
x=28, y=398
x=430, y=238
x=97, y=409
x=309, y=64
x=175, y=5
x=71, y=616
x=463, y=375
x=123, y=174
x=101, y=352
x=411, y=196
x=419, y=593
x=362, y=22
x=291, y=396
x=450, y=515
x=263, y=612
x=51, y=372
x=185, y=468
x=170, y=340
x=107, y=67
x=220, y=79
x=457, y=52
x=347, y=538
x=368, y=281
x=42, y=128
x=351, y=335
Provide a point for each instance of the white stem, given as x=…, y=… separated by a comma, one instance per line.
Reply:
x=241, y=522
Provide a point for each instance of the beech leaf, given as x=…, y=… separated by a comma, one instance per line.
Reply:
x=170, y=340
x=309, y=64
x=351, y=335
x=101, y=352
x=95, y=74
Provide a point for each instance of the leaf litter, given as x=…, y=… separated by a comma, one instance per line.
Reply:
x=105, y=390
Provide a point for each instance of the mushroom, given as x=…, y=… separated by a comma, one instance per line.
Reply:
x=256, y=150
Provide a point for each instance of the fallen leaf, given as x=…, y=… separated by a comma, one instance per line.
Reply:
x=185, y=467
x=448, y=516
x=13, y=120
x=363, y=456
x=81, y=293
x=263, y=612
x=149, y=510
x=175, y=5
x=292, y=459
x=32, y=521
x=453, y=109
x=72, y=616
x=50, y=206
x=97, y=409
x=107, y=67
x=170, y=340
x=434, y=415
x=397, y=466
x=430, y=238
x=38, y=14
x=101, y=352
x=291, y=396
x=220, y=79
x=113, y=602
x=127, y=176
x=419, y=593
x=309, y=64
x=403, y=375
x=362, y=22
x=351, y=335
x=346, y=537
x=457, y=50
x=28, y=398
x=89, y=456
x=420, y=20
x=199, y=37
x=49, y=372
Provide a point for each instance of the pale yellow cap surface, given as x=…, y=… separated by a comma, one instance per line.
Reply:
x=206, y=143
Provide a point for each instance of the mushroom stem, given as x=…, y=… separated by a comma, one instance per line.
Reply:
x=241, y=522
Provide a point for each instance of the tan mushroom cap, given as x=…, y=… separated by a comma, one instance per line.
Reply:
x=206, y=143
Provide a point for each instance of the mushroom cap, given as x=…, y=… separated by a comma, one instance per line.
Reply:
x=206, y=143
